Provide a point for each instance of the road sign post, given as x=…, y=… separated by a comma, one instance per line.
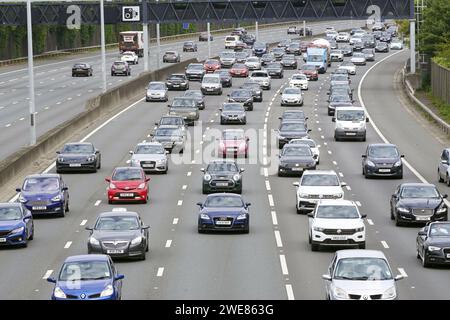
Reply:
x=31, y=75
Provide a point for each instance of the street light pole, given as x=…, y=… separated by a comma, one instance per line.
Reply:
x=102, y=44
x=158, y=44
x=145, y=33
x=412, y=43
x=208, y=25
x=31, y=75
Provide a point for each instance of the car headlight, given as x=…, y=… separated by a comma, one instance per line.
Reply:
x=398, y=163
x=242, y=216
x=204, y=216
x=135, y=161
x=207, y=177
x=22, y=199
x=60, y=159
x=108, y=291
x=18, y=230
x=442, y=209
x=311, y=164
x=432, y=248
x=94, y=241
x=389, y=293
x=136, y=241
x=56, y=198
x=360, y=229
x=112, y=185
x=370, y=163
x=319, y=229
x=339, y=293
x=236, y=177
x=91, y=158
x=400, y=209
x=161, y=161
x=141, y=186
x=303, y=195
x=338, y=195
x=58, y=293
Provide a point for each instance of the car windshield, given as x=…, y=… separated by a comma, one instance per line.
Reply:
x=149, y=149
x=299, y=77
x=383, y=152
x=211, y=79
x=79, y=65
x=239, y=66
x=184, y=103
x=315, y=58
x=306, y=142
x=224, y=201
x=320, y=180
x=241, y=55
x=350, y=115
x=85, y=270
x=358, y=55
x=157, y=86
x=278, y=50
x=118, y=223
x=337, y=212
x=259, y=45
x=171, y=121
x=251, y=85
x=9, y=214
x=259, y=75
x=367, y=51
x=274, y=66
x=177, y=77
x=212, y=61
x=127, y=174
x=41, y=184
x=420, y=192
x=308, y=67
x=293, y=115
x=240, y=94
x=347, y=64
x=233, y=107
x=222, y=73
x=294, y=45
x=195, y=67
x=230, y=39
x=292, y=91
x=340, y=98
x=222, y=167
x=287, y=57
x=253, y=59
x=268, y=56
x=119, y=63
x=362, y=268
x=188, y=43
x=292, y=127
x=296, y=151
x=227, y=55
x=440, y=230
x=193, y=93
x=233, y=135
x=167, y=132
x=170, y=53
x=78, y=148
x=339, y=77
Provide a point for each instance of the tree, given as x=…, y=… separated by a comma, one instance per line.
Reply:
x=435, y=30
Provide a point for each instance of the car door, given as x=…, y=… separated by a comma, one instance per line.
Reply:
x=443, y=165
x=64, y=192
x=117, y=284
x=364, y=159
x=28, y=222
x=331, y=268
x=421, y=241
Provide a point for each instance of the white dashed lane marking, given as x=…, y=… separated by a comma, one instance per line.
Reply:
x=268, y=185
x=274, y=218
x=402, y=272
x=168, y=243
x=68, y=244
x=283, y=263
x=175, y=221
x=384, y=244
x=271, y=203
x=97, y=203
x=83, y=222
x=369, y=221
x=180, y=202
x=189, y=173
x=290, y=292
x=184, y=187
x=160, y=272
x=278, y=239
x=358, y=203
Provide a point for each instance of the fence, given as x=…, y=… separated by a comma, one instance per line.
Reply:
x=440, y=82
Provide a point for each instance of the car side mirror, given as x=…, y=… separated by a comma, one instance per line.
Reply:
x=58, y=152
x=18, y=189
x=108, y=179
x=119, y=277
x=296, y=184
x=306, y=118
x=248, y=204
x=367, y=120
x=399, y=277
x=65, y=188
x=343, y=184
x=131, y=152
x=311, y=214
x=145, y=227
x=281, y=118
x=156, y=123
x=247, y=139
x=147, y=179
x=364, y=215
x=422, y=233
x=241, y=170
x=364, y=156
x=89, y=228
x=326, y=277
x=309, y=130
x=333, y=119
x=51, y=280
x=168, y=105
x=97, y=151
x=200, y=204
x=402, y=156
x=220, y=109
x=202, y=170
x=445, y=196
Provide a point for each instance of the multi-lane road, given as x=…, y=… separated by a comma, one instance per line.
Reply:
x=274, y=260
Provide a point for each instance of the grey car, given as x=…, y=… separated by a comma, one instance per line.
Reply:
x=356, y=274
x=369, y=54
x=172, y=138
x=267, y=58
x=78, y=156
x=157, y=91
x=225, y=78
x=195, y=71
x=256, y=90
x=150, y=156
x=185, y=107
x=168, y=120
x=275, y=69
x=233, y=112
x=335, y=101
x=171, y=56
x=293, y=115
x=278, y=53
x=294, y=159
x=222, y=176
x=198, y=96
x=289, y=61
x=242, y=96
x=291, y=130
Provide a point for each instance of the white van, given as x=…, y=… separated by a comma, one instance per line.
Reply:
x=231, y=41
x=211, y=84
x=350, y=123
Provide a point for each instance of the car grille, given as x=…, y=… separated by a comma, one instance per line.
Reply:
x=446, y=251
x=343, y=231
x=321, y=196
x=354, y=296
x=422, y=212
x=4, y=233
x=115, y=245
x=37, y=203
x=214, y=183
x=94, y=296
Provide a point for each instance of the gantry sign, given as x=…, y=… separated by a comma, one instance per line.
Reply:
x=52, y=13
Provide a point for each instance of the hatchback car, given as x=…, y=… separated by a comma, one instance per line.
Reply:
x=253, y=63
x=157, y=91
x=204, y=37
x=396, y=44
x=381, y=47
x=291, y=130
x=195, y=71
x=358, y=59
x=225, y=78
x=120, y=67
x=224, y=212
x=211, y=84
x=298, y=115
x=239, y=70
x=338, y=100
x=211, y=65
x=310, y=71
x=119, y=234
x=82, y=69
x=255, y=88
x=294, y=159
x=171, y=137
x=275, y=69
x=127, y=184
x=150, y=156
x=171, y=56
x=289, y=61
x=369, y=54
x=177, y=81
x=291, y=96
x=267, y=58
x=78, y=156
x=222, y=176
x=189, y=46
x=382, y=160
x=95, y=275
x=45, y=194
x=299, y=80
x=198, y=96
x=433, y=244
x=262, y=77
x=16, y=225
x=349, y=66
x=130, y=57
x=233, y=112
x=311, y=144
x=233, y=142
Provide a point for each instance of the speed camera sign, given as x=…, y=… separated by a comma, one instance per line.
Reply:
x=131, y=13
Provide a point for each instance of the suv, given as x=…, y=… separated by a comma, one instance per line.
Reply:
x=211, y=84
x=315, y=185
x=382, y=160
x=261, y=77
x=336, y=223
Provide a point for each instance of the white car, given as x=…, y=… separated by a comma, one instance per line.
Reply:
x=396, y=44
x=130, y=57
x=262, y=77
x=157, y=91
x=150, y=156
x=312, y=145
x=336, y=223
x=211, y=84
x=343, y=37
x=315, y=185
x=299, y=80
x=355, y=38
x=253, y=63
x=358, y=59
x=350, y=67
x=231, y=42
x=291, y=96
x=337, y=55
x=331, y=34
x=356, y=274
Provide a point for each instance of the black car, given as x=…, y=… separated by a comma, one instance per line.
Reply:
x=433, y=244
x=256, y=90
x=248, y=39
x=189, y=46
x=335, y=101
x=84, y=69
x=222, y=176
x=177, y=81
x=275, y=69
x=358, y=46
x=382, y=160
x=341, y=87
x=294, y=159
x=204, y=37
x=347, y=51
x=195, y=71
x=242, y=96
x=381, y=47
x=289, y=61
x=233, y=112
x=417, y=203
x=241, y=57
x=308, y=31
x=198, y=96
x=225, y=78
x=293, y=115
x=291, y=130
x=260, y=48
x=78, y=157
x=119, y=234
x=267, y=58
x=294, y=48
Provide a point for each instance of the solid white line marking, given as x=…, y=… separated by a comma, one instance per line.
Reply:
x=290, y=292
x=284, y=267
x=97, y=203
x=385, y=245
x=83, y=223
x=358, y=203
x=335, y=163
x=278, y=239
x=21, y=119
x=369, y=221
x=175, y=221
x=168, y=243
x=341, y=174
x=270, y=200
x=184, y=187
x=160, y=272
x=180, y=203
x=322, y=137
x=329, y=152
x=189, y=173
x=348, y=188
x=402, y=272
x=47, y=274
x=274, y=218
x=68, y=244
x=268, y=185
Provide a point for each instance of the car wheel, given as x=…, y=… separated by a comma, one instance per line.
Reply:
x=112, y=74
x=309, y=239
x=247, y=230
x=418, y=254
x=400, y=176
x=398, y=223
x=315, y=246
x=67, y=206
x=145, y=200
x=31, y=237
x=448, y=180
x=201, y=230
x=392, y=214
x=142, y=256
x=204, y=190
x=425, y=261
x=439, y=177
x=99, y=163
x=63, y=213
x=147, y=247
x=280, y=174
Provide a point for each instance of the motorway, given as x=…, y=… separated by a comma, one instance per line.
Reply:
x=274, y=260
x=59, y=97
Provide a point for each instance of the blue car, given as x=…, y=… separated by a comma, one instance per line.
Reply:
x=224, y=212
x=45, y=194
x=16, y=225
x=88, y=277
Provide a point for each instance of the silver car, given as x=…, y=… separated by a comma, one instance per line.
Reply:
x=233, y=112
x=262, y=77
x=157, y=91
x=150, y=156
x=291, y=96
x=357, y=274
x=358, y=59
x=253, y=63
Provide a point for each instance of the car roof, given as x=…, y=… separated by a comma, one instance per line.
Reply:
x=223, y=161
x=127, y=168
x=355, y=253
x=177, y=74
x=224, y=194
x=87, y=257
x=152, y=143
x=313, y=172
x=168, y=126
x=416, y=184
x=157, y=82
x=78, y=143
x=351, y=108
x=11, y=204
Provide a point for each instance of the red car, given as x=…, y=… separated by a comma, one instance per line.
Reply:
x=128, y=184
x=233, y=142
x=310, y=71
x=239, y=70
x=211, y=65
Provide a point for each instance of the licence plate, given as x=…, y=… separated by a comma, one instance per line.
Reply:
x=75, y=165
x=350, y=133
x=223, y=223
x=79, y=69
x=384, y=170
x=422, y=218
x=209, y=89
x=339, y=238
x=114, y=251
x=448, y=254
x=176, y=85
x=127, y=195
x=297, y=169
x=2, y=239
x=148, y=165
x=222, y=184
x=39, y=208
